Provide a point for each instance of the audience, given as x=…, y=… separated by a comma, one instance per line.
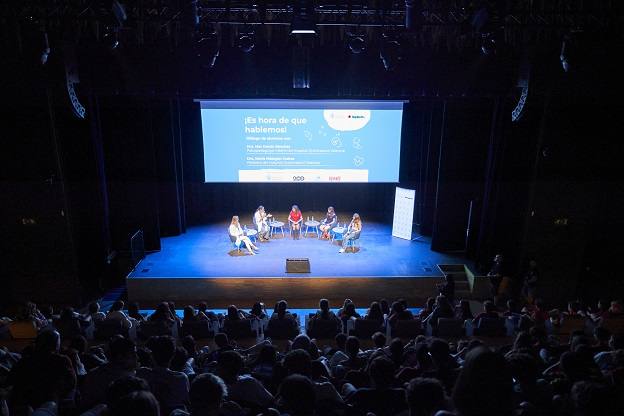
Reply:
x=540, y=373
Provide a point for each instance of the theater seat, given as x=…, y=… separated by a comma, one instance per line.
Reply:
x=409, y=328
x=491, y=327
x=149, y=329
x=323, y=328
x=365, y=328
x=282, y=329
x=614, y=325
x=23, y=330
x=106, y=329
x=197, y=329
x=450, y=328
x=238, y=329
x=568, y=325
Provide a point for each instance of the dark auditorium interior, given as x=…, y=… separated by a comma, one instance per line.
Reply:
x=159, y=258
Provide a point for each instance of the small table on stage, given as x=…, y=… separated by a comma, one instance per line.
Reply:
x=274, y=226
x=251, y=233
x=314, y=226
x=337, y=231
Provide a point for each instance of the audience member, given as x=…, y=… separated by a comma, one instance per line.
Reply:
x=383, y=398
x=94, y=314
x=170, y=387
x=242, y=388
x=116, y=313
x=374, y=312
x=122, y=363
x=134, y=312
x=425, y=397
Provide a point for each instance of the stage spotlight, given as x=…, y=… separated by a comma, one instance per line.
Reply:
x=246, y=42
x=575, y=48
x=566, y=53
x=409, y=14
x=390, y=53
x=207, y=50
x=45, y=52
x=111, y=38
x=356, y=44
x=303, y=18
x=488, y=44
x=301, y=67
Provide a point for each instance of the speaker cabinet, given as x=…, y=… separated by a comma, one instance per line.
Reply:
x=297, y=265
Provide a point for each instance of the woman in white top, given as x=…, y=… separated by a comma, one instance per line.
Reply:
x=237, y=232
x=353, y=231
x=260, y=219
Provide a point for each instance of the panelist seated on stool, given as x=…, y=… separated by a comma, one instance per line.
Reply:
x=353, y=232
x=329, y=222
x=295, y=219
x=260, y=219
x=237, y=236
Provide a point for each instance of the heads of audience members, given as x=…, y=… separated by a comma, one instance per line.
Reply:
x=281, y=308
x=47, y=342
x=324, y=306
x=616, y=342
x=484, y=387
x=233, y=313
x=188, y=313
x=297, y=395
x=124, y=386
x=229, y=366
x=257, y=309
x=118, y=305
x=374, y=311
x=379, y=340
x=221, y=340
x=381, y=371
x=123, y=352
x=616, y=307
x=134, y=310
x=349, y=309
x=137, y=403
x=341, y=341
x=267, y=355
x=207, y=394
x=352, y=346
x=425, y=397
x=301, y=341
x=298, y=362
x=163, y=349
x=94, y=308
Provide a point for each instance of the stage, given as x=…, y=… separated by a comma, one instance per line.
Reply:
x=203, y=265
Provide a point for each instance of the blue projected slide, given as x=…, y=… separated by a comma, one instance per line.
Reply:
x=301, y=141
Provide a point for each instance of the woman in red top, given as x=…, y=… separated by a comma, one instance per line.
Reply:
x=295, y=218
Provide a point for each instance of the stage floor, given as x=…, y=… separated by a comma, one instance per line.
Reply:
x=203, y=265
x=206, y=252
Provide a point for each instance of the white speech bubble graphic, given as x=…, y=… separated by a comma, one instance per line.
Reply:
x=347, y=120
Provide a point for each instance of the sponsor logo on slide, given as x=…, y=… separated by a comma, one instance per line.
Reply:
x=303, y=175
x=347, y=120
